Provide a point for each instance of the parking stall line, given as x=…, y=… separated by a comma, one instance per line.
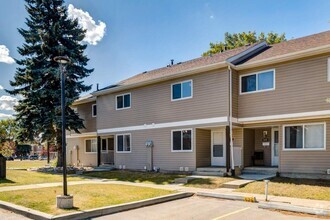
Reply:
x=231, y=213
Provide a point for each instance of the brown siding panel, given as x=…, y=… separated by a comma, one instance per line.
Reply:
x=163, y=158
x=152, y=104
x=301, y=86
x=85, y=112
x=203, y=148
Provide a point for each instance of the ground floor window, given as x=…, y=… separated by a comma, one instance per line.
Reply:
x=123, y=143
x=91, y=145
x=305, y=136
x=182, y=140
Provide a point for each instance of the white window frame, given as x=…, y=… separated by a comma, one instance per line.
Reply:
x=130, y=140
x=94, y=115
x=189, y=97
x=106, y=151
x=303, y=137
x=91, y=139
x=192, y=140
x=130, y=101
x=328, y=69
x=257, y=82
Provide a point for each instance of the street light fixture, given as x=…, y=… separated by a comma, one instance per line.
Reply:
x=65, y=201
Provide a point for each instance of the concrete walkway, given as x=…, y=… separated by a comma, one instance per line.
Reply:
x=179, y=187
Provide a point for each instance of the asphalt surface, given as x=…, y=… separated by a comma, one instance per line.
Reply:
x=199, y=208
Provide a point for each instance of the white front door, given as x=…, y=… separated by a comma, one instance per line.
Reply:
x=275, y=147
x=218, y=148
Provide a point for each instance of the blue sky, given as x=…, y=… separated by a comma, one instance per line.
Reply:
x=142, y=35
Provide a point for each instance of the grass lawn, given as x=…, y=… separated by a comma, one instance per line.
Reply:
x=298, y=188
x=137, y=177
x=23, y=177
x=85, y=196
x=25, y=164
x=209, y=183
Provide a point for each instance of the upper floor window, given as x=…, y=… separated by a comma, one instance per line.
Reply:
x=91, y=145
x=123, y=101
x=257, y=82
x=123, y=143
x=304, y=137
x=182, y=140
x=94, y=110
x=182, y=90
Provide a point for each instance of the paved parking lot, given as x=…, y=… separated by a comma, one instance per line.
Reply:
x=199, y=208
x=196, y=208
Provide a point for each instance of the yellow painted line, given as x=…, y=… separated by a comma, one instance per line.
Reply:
x=231, y=213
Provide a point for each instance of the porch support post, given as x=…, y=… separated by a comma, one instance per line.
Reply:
x=98, y=150
x=227, y=148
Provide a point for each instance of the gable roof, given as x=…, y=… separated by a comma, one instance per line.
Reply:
x=242, y=57
x=294, y=46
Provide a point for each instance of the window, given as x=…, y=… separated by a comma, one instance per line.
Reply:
x=262, y=81
x=91, y=146
x=123, y=101
x=304, y=137
x=104, y=145
x=182, y=140
x=94, y=110
x=124, y=143
x=182, y=90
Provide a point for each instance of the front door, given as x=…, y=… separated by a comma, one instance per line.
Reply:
x=218, y=148
x=275, y=147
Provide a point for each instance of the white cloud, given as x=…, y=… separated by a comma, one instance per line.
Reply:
x=5, y=116
x=94, y=32
x=4, y=55
x=7, y=103
x=1, y=87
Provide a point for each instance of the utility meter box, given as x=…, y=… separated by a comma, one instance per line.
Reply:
x=149, y=143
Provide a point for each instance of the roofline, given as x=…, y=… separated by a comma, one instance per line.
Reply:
x=285, y=57
x=192, y=71
x=83, y=101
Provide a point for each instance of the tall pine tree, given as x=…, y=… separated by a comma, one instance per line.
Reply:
x=49, y=33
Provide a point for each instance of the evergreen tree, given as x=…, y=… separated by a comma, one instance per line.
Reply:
x=240, y=39
x=49, y=33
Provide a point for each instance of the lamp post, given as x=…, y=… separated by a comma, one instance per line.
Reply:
x=64, y=201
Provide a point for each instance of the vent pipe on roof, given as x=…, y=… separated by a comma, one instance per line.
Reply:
x=172, y=62
x=97, y=87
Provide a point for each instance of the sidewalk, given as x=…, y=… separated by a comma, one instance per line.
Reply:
x=179, y=187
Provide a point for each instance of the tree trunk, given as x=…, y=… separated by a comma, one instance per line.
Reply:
x=59, y=148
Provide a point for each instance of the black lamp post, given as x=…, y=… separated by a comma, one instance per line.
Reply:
x=63, y=61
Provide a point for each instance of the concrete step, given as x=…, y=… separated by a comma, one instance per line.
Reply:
x=237, y=184
x=199, y=173
x=211, y=169
x=263, y=172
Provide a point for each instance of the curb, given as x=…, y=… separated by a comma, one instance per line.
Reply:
x=30, y=213
x=299, y=209
x=226, y=196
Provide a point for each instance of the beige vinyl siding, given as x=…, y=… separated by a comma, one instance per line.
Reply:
x=203, y=148
x=85, y=112
x=235, y=88
x=238, y=141
x=313, y=161
x=163, y=158
x=301, y=86
x=79, y=156
x=152, y=104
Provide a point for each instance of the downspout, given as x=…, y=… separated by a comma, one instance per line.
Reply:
x=230, y=120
